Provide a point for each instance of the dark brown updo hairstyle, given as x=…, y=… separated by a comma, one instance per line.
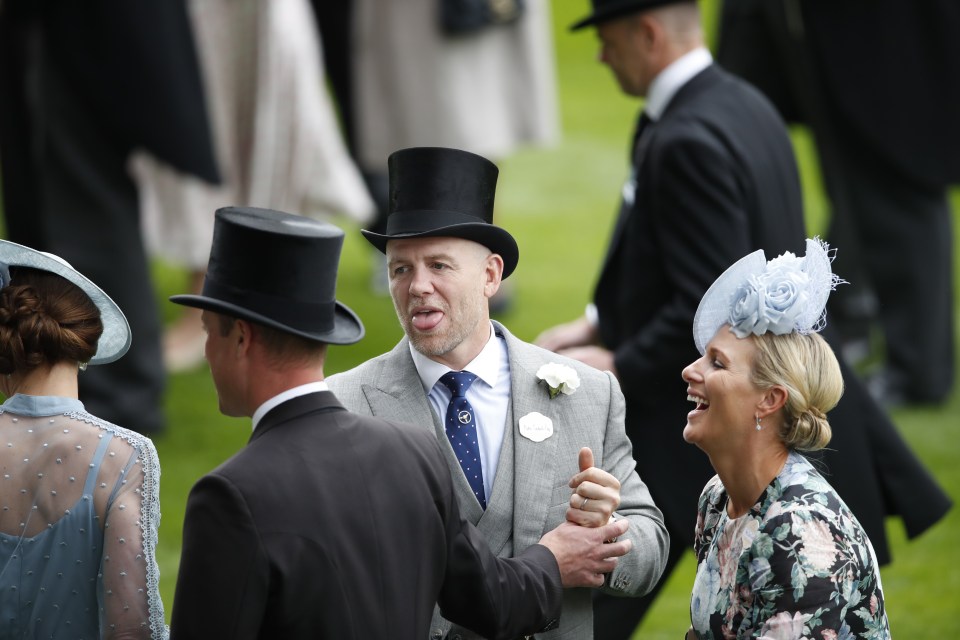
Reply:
x=45, y=319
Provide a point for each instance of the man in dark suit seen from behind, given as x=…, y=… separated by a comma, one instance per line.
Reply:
x=329, y=524
x=713, y=177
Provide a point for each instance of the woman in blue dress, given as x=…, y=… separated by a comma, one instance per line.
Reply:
x=780, y=556
x=79, y=505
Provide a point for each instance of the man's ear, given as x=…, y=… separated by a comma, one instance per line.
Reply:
x=493, y=273
x=774, y=399
x=649, y=29
x=243, y=335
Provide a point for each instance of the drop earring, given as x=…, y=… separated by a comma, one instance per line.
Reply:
x=758, y=424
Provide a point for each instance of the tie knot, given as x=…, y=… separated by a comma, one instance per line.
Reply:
x=458, y=382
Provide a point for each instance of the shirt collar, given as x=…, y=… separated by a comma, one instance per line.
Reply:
x=672, y=78
x=26, y=405
x=486, y=365
x=289, y=394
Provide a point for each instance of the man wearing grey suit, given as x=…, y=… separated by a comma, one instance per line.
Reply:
x=532, y=438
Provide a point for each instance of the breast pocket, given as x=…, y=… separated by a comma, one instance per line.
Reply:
x=559, y=501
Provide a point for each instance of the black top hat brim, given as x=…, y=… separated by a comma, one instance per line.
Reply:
x=494, y=238
x=347, y=327
x=612, y=9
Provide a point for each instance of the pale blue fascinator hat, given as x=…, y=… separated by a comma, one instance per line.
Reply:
x=116, y=337
x=785, y=295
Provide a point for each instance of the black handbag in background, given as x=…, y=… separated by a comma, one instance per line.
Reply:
x=460, y=17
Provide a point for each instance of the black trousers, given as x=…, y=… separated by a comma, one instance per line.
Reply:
x=66, y=190
x=905, y=241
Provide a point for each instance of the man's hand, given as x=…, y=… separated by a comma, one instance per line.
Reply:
x=596, y=357
x=583, y=555
x=563, y=336
x=596, y=493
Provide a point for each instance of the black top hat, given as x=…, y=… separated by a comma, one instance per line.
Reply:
x=279, y=270
x=604, y=10
x=444, y=192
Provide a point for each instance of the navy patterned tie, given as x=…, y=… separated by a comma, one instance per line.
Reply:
x=461, y=428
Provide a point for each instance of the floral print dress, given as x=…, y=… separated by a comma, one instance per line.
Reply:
x=797, y=565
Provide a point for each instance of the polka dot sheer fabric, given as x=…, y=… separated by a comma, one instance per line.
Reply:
x=79, y=511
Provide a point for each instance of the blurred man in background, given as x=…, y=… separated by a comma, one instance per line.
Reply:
x=713, y=178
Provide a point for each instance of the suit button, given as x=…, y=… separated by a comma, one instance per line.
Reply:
x=436, y=635
x=457, y=637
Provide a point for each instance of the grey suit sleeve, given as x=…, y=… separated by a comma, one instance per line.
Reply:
x=638, y=571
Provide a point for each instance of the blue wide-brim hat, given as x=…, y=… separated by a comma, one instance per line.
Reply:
x=440, y=192
x=115, y=339
x=279, y=270
x=784, y=295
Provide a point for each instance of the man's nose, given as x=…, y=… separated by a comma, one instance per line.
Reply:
x=421, y=281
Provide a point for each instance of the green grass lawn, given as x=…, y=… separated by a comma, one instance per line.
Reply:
x=559, y=203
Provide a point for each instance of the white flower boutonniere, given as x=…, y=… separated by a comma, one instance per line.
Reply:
x=559, y=378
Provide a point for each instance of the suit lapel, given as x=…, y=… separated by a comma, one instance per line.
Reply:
x=528, y=467
x=398, y=395
x=534, y=463
x=496, y=523
x=638, y=152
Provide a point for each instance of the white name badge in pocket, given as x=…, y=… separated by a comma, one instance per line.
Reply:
x=536, y=426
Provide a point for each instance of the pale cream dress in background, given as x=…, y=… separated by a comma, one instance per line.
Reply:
x=276, y=135
x=487, y=92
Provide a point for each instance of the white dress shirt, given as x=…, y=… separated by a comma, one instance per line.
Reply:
x=489, y=395
x=283, y=396
x=672, y=78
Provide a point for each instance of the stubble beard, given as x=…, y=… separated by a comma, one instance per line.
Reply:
x=437, y=344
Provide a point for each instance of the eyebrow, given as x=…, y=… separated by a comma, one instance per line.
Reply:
x=716, y=351
x=433, y=257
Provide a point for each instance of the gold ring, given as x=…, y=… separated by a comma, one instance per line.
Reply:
x=584, y=503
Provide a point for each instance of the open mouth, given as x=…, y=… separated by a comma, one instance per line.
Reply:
x=702, y=403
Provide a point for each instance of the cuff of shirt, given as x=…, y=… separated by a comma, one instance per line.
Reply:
x=592, y=315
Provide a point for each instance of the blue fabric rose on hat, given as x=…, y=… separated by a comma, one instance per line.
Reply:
x=781, y=296
x=773, y=300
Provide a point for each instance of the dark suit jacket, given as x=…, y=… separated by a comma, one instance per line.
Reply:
x=889, y=72
x=716, y=179
x=334, y=525
x=134, y=65
x=713, y=174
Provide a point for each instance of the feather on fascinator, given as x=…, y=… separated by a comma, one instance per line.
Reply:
x=787, y=294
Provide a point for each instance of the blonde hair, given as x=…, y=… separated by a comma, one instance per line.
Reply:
x=807, y=367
